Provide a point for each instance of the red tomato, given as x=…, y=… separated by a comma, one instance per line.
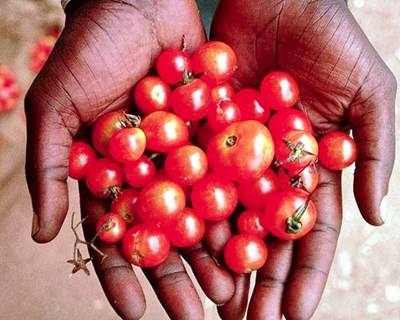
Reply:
x=186, y=165
x=245, y=253
x=286, y=120
x=242, y=151
x=127, y=144
x=145, y=246
x=254, y=194
x=204, y=135
x=251, y=105
x=223, y=91
x=10, y=90
x=171, y=65
x=305, y=179
x=279, y=90
x=164, y=131
x=139, y=173
x=81, y=157
x=289, y=215
x=111, y=227
x=249, y=222
x=215, y=61
x=152, y=94
x=104, y=178
x=222, y=114
x=214, y=198
x=126, y=205
x=187, y=230
x=337, y=150
x=190, y=101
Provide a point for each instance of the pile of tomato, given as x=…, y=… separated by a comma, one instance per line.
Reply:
x=195, y=152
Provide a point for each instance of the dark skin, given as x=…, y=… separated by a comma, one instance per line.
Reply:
x=107, y=46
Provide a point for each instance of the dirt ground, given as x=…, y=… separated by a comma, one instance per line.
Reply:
x=365, y=279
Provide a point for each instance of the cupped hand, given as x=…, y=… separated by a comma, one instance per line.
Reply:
x=344, y=84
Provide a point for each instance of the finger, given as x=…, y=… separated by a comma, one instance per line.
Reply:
x=314, y=253
x=216, y=236
x=116, y=276
x=266, y=300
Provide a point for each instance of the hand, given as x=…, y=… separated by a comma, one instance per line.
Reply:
x=344, y=84
x=105, y=48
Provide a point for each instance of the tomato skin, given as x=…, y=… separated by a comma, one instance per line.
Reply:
x=152, y=94
x=204, y=135
x=279, y=90
x=249, y=222
x=214, y=198
x=337, y=150
x=286, y=120
x=145, y=246
x=190, y=101
x=188, y=229
x=171, y=65
x=104, y=178
x=284, y=206
x=126, y=205
x=242, y=151
x=245, y=253
x=81, y=157
x=305, y=179
x=223, y=91
x=111, y=228
x=254, y=194
x=127, y=144
x=222, y=114
x=139, y=173
x=251, y=105
x=216, y=61
x=164, y=131
x=186, y=165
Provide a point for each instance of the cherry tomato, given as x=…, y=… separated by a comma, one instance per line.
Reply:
x=289, y=215
x=245, y=253
x=111, y=227
x=187, y=230
x=186, y=165
x=190, y=101
x=81, y=157
x=254, y=194
x=337, y=150
x=204, y=135
x=161, y=202
x=145, y=246
x=215, y=61
x=286, y=120
x=223, y=91
x=126, y=205
x=242, y=151
x=305, y=179
x=152, y=94
x=104, y=178
x=222, y=114
x=249, y=222
x=171, y=65
x=279, y=90
x=164, y=131
x=127, y=144
x=251, y=105
x=214, y=198
x=139, y=173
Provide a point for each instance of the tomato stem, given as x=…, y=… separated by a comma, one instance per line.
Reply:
x=231, y=141
x=131, y=121
x=293, y=223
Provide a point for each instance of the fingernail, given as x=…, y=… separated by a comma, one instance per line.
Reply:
x=35, y=224
x=383, y=209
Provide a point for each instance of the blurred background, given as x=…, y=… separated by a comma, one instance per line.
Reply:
x=35, y=280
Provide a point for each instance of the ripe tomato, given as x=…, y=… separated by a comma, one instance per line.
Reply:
x=164, y=131
x=223, y=91
x=286, y=120
x=127, y=144
x=214, y=198
x=251, y=105
x=279, y=90
x=126, y=205
x=111, y=227
x=139, y=173
x=222, y=114
x=296, y=150
x=204, y=135
x=254, y=194
x=245, y=253
x=171, y=65
x=191, y=100
x=289, y=215
x=337, y=150
x=104, y=178
x=242, y=151
x=152, y=94
x=145, y=246
x=186, y=165
x=215, y=61
x=249, y=222
x=81, y=157
x=187, y=230
x=161, y=202
x=305, y=179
